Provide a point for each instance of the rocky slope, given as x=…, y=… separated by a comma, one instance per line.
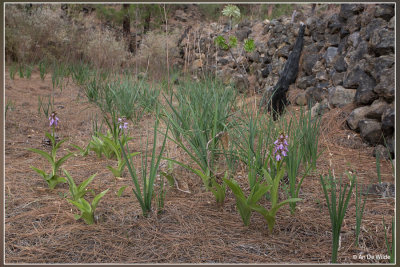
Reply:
x=347, y=59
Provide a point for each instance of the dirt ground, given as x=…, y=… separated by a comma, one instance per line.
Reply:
x=40, y=227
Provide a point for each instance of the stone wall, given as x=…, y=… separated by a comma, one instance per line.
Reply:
x=347, y=59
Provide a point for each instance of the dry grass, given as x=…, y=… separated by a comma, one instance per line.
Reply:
x=43, y=34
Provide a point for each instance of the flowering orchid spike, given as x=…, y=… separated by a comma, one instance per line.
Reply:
x=53, y=119
x=281, y=147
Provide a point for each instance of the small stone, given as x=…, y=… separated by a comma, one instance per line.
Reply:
x=370, y=131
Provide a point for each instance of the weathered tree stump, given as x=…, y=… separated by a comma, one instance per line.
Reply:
x=278, y=101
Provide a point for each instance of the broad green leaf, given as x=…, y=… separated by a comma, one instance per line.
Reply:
x=39, y=171
x=57, y=146
x=235, y=188
x=88, y=217
x=170, y=178
x=43, y=153
x=259, y=209
x=55, y=180
x=81, y=188
x=287, y=201
x=77, y=204
x=258, y=191
x=244, y=210
x=97, y=199
x=121, y=191
x=62, y=160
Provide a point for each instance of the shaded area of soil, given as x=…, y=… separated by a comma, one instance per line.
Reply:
x=40, y=227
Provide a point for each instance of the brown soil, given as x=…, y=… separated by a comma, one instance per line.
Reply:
x=40, y=227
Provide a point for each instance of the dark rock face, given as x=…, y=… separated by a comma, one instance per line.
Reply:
x=370, y=131
x=266, y=71
x=305, y=82
x=360, y=52
x=355, y=116
x=376, y=110
x=380, y=66
x=330, y=54
x=382, y=42
x=309, y=62
x=365, y=84
x=243, y=33
x=340, y=65
x=337, y=78
x=339, y=96
x=356, y=77
x=349, y=10
x=350, y=51
x=316, y=94
x=365, y=95
x=334, y=24
x=386, y=86
x=388, y=121
x=374, y=25
x=283, y=52
x=384, y=11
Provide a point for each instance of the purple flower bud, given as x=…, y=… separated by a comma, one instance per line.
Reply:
x=278, y=157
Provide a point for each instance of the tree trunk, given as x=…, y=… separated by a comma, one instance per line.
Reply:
x=126, y=22
x=288, y=76
x=146, y=26
x=270, y=8
x=126, y=29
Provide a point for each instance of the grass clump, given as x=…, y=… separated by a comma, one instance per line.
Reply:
x=199, y=113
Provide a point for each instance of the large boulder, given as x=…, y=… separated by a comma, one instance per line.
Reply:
x=359, y=53
x=384, y=11
x=355, y=116
x=334, y=24
x=349, y=10
x=330, y=54
x=316, y=94
x=382, y=42
x=376, y=110
x=339, y=96
x=340, y=64
x=305, y=82
x=353, y=24
x=356, y=77
x=332, y=39
x=386, y=86
x=309, y=61
x=371, y=131
x=240, y=81
x=243, y=33
x=378, y=66
x=354, y=39
x=388, y=117
x=337, y=78
x=365, y=84
x=373, y=26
